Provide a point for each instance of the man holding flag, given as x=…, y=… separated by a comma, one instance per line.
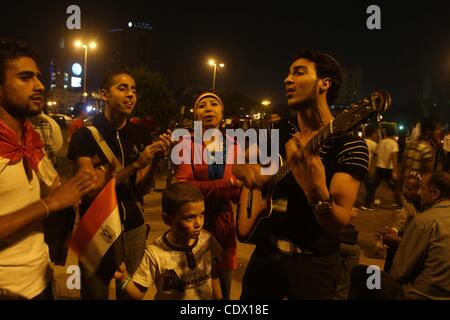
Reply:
x=99, y=230
x=113, y=144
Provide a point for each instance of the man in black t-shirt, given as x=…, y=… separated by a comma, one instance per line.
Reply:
x=131, y=145
x=299, y=258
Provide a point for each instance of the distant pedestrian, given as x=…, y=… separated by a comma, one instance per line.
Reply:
x=421, y=155
x=371, y=139
x=386, y=169
x=50, y=133
x=77, y=123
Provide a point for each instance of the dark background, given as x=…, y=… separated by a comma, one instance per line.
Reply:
x=258, y=40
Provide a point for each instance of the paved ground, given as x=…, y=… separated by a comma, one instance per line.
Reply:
x=367, y=223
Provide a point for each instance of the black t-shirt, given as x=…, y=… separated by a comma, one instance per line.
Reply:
x=346, y=154
x=133, y=139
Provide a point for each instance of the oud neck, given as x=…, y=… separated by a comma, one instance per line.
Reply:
x=312, y=146
x=320, y=138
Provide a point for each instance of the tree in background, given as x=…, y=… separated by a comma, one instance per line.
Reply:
x=154, y=96
x=237, y=103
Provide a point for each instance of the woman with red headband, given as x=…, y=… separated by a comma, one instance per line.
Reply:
x=214, y=179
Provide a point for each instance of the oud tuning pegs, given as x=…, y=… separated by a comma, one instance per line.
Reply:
x=381, y=100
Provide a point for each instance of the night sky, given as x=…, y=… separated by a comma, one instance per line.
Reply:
x=257, y=41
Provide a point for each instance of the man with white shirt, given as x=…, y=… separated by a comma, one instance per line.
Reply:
x=24, y=259
x=386, y=169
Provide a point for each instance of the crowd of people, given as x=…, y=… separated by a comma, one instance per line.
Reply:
x=299, y=256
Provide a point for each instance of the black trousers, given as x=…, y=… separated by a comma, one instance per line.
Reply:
x=271, y=274
x=390, y=254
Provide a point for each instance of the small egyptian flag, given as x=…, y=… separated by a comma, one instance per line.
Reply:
x=98, y=240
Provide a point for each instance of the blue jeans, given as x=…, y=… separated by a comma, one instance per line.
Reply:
x=93, y=288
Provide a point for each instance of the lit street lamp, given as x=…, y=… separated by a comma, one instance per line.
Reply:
x=92, y=45
x=214, y=64
x=266, y=103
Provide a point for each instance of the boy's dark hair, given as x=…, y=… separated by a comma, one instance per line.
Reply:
x=441, y=181
x=107, y=81
x=326, y=67
x=11, y=49
x=177, y=195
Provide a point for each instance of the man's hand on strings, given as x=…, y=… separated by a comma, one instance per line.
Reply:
x=307, y=168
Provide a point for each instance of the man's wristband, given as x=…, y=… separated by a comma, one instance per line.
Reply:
x=321, y=206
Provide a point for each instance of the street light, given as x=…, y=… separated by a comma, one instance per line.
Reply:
x=91, y=45
x=213, y=63
x=266, y=103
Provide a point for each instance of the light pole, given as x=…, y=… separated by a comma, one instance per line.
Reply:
x=214, y=65
x=92, y=45
x=265, y=106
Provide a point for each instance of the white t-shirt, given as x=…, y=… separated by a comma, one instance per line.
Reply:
x=385, y=149
x=372, y=146
x=24, y=259
x=167, y=268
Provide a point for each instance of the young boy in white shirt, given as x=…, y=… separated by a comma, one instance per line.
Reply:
x=180, y=263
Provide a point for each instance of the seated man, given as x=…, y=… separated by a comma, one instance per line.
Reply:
x=411, y=206
x=421, y=268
